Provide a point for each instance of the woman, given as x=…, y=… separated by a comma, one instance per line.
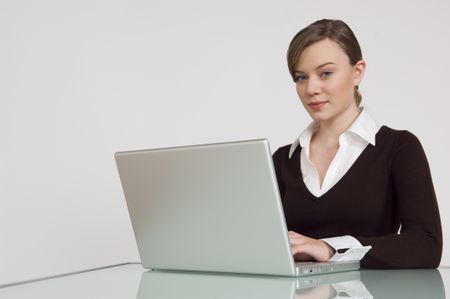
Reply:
x=345, y=181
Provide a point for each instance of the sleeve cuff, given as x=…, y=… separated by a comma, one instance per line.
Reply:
x=342, y=242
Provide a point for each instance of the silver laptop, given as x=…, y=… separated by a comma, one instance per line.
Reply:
x=213, y=208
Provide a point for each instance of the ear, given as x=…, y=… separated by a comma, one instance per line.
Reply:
x=359, y=69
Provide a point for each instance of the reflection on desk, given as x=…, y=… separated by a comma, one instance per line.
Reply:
x=132, y=281
x=341, y=285
x=423, y=283
x=175, y=285
x=364, y=284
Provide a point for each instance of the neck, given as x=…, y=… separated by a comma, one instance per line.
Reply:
x=331, y=129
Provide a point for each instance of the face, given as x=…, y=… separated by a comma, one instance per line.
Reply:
x=325, y=81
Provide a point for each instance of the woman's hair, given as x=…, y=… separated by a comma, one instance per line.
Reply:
x=335, y=30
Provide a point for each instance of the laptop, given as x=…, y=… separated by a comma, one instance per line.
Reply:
x=211, y=208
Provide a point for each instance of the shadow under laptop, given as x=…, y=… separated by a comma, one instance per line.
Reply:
x=355, y=284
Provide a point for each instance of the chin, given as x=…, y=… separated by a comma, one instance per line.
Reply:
x=319, y=116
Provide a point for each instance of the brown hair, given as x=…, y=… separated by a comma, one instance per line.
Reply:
x=335, y=30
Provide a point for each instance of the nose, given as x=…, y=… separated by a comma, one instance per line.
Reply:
x=312, y=86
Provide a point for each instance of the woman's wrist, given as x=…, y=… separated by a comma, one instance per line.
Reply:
x=330, y=250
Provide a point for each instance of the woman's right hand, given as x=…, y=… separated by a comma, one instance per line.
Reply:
x=308, y=249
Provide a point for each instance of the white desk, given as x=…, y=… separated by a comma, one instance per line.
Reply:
x=133, y=282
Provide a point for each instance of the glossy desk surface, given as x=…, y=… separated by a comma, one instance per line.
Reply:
x=132, y=281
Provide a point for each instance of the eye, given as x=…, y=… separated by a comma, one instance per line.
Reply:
x=300, y=78
x=326, y=74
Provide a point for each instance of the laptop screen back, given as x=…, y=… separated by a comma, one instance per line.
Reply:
x=207, y=208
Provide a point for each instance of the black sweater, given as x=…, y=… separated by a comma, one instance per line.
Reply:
x=389, y=187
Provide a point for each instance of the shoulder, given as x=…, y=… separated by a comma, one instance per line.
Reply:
x=397, y=138
x=283, y=152
x=404, y=147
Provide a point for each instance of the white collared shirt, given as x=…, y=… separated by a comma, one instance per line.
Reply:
x=351, y=144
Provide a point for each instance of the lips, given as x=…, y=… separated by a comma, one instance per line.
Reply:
x=317, y=105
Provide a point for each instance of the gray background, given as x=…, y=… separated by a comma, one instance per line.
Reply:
x=80, y=80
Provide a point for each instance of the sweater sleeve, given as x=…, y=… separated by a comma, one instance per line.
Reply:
x=419, y=242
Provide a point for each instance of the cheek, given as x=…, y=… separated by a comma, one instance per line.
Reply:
x=341, y=86
x=300, y=92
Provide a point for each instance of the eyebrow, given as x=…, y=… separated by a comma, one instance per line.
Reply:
x=318, y=67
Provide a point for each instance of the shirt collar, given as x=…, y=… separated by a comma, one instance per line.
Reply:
x=304, y=138
x=364, y=126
